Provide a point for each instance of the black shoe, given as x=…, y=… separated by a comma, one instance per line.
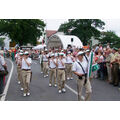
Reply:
x=115, y=85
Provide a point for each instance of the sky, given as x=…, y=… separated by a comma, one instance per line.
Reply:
x=111, y=24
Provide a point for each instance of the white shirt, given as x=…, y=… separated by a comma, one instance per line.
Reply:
x=24, y=64
x=52, y=64
x=60, y=64
x=45, y=58
x=77, y=68
x=69, y=59
x=88, y=58
x=2, y=62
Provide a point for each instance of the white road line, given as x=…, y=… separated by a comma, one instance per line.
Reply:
x=8, y=82
x=75, y=92
x=72, y=90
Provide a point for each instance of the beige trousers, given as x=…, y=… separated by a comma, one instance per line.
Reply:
x=18, y=72
x=109, y=73
x=45, y=68
x=26, y=76
x=88, y=89
x=52, y=73
x=61, y=79
x=69, y=70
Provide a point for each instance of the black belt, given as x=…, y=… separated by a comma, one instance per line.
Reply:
x=26, y=69
x=45, y=61
x=61, y=68
x=53, y=68
x=68, y=63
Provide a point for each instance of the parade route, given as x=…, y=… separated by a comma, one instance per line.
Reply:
x=40, y=91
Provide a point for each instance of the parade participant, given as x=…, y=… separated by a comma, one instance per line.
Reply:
x=86, y=55
x=52, y=71
x=3, y=66
x=17, y=59
x=101, y=64
x=69, y=62
x=45, y=63
x=61, y=73
x=115, y=67
x=107, y=60
x=80, y=68
x=19, y=63
x=13, y=56
x=26, y=73
x=41, y=61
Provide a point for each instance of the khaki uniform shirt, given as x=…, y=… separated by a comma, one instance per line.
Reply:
x=114, y=57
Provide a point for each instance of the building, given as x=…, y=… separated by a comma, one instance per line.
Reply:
x=58, y=40
x=6, y=42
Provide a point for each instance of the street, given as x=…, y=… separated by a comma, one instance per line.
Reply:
x=40, y=91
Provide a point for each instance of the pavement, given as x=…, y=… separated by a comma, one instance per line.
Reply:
x=40, y=91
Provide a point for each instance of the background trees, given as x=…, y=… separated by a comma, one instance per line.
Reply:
x=2, y=42
x=110, y=37
x=22, y=31
x=83, y=28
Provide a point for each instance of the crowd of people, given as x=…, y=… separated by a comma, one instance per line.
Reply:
x=60, y=65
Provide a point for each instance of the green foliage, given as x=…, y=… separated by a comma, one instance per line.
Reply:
x=2, y=42
x=22, y=31
x=110, y=37
x=83, y=28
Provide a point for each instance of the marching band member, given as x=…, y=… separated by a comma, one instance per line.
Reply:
x=26, y=73
x=69, y=63
x=80, y=68
x=52, y=70
x=61, y=73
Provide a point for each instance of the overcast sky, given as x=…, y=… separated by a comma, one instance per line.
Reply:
x=111, y=24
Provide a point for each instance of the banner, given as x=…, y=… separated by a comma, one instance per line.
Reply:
x=90, y=65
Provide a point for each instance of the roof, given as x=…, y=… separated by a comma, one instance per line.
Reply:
x=66, y=40
x=50, y=32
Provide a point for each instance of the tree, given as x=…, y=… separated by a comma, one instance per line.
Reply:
x=22, y=31
x=110, y=37
x=83, y=28
x=2, y=42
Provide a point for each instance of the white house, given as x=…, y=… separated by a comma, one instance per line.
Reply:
x=59, y=40
x=6, y=42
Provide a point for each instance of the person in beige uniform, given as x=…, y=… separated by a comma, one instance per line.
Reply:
x=69, y=63
x=17, y=59
x=52, y=70
x=19, y=63
x=26, y=73
x=61, y=73
x=115, y=67
x=45, y=63
x=80, y=68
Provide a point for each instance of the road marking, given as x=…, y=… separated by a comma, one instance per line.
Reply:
x=72, y=90
x=75, y=92
x=34, y=63
x=8, y=82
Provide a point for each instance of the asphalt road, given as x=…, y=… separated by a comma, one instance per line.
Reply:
x=40, y=91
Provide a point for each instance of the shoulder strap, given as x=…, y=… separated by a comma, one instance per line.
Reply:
x=86, y=58
x=81, y=67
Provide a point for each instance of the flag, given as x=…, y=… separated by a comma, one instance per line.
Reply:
x=90, y=65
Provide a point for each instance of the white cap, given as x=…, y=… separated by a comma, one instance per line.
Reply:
x=69, y=52
x=21, y=53
x=62, y=54
x=80, y=53
x=1, y=52
x=87, y=50
x=46, y=50
x=26, y=53
x=52, y=54
x=21, y=50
